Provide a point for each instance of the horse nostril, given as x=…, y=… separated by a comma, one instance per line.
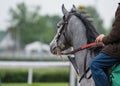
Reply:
x=52, y=49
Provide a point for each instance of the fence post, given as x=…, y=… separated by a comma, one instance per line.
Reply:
x=72, y=76
x=30, y=76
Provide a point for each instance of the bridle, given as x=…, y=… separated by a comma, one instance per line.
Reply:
x=63, y=25
x=93, y=44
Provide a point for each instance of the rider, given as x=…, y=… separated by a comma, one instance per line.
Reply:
x=109, y=55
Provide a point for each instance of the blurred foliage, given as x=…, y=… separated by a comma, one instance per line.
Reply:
x=29, y=26
x=97, y=20
x=39, y=75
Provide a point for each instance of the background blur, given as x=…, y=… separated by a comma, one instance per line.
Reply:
x=28, y=26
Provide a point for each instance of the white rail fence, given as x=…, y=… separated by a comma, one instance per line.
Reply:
x=38, y=65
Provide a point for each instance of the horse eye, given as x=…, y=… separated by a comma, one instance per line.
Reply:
x=58, y=26
x=64, y=17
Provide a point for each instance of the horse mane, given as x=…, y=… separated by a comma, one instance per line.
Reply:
x=91, y=32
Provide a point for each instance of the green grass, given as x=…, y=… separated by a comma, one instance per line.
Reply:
x=35, y=84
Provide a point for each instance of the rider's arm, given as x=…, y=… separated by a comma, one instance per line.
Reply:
x=114, y=35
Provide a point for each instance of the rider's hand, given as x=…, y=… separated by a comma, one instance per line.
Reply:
x=99, y=38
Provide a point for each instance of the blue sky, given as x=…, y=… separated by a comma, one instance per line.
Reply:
x=106, y=8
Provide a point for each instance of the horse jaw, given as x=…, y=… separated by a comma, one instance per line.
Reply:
x=56, y=48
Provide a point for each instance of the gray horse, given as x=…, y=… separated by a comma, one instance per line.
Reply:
x=75, y=30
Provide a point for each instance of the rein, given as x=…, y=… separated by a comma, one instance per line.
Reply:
x=93, y=44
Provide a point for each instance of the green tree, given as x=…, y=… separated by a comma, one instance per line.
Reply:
x=54, y=20
x=29, y=26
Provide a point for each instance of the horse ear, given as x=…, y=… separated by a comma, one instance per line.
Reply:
x=64, y=10
x=74, y=8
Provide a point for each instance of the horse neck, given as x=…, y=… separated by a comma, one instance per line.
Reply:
x=79, y=38
x=77, y=31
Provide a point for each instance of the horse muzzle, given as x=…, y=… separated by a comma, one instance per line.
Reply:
x=55, y=50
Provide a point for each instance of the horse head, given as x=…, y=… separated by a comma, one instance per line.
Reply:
x=62, y=40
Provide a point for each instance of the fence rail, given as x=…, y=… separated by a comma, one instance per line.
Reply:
x=38, y=65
